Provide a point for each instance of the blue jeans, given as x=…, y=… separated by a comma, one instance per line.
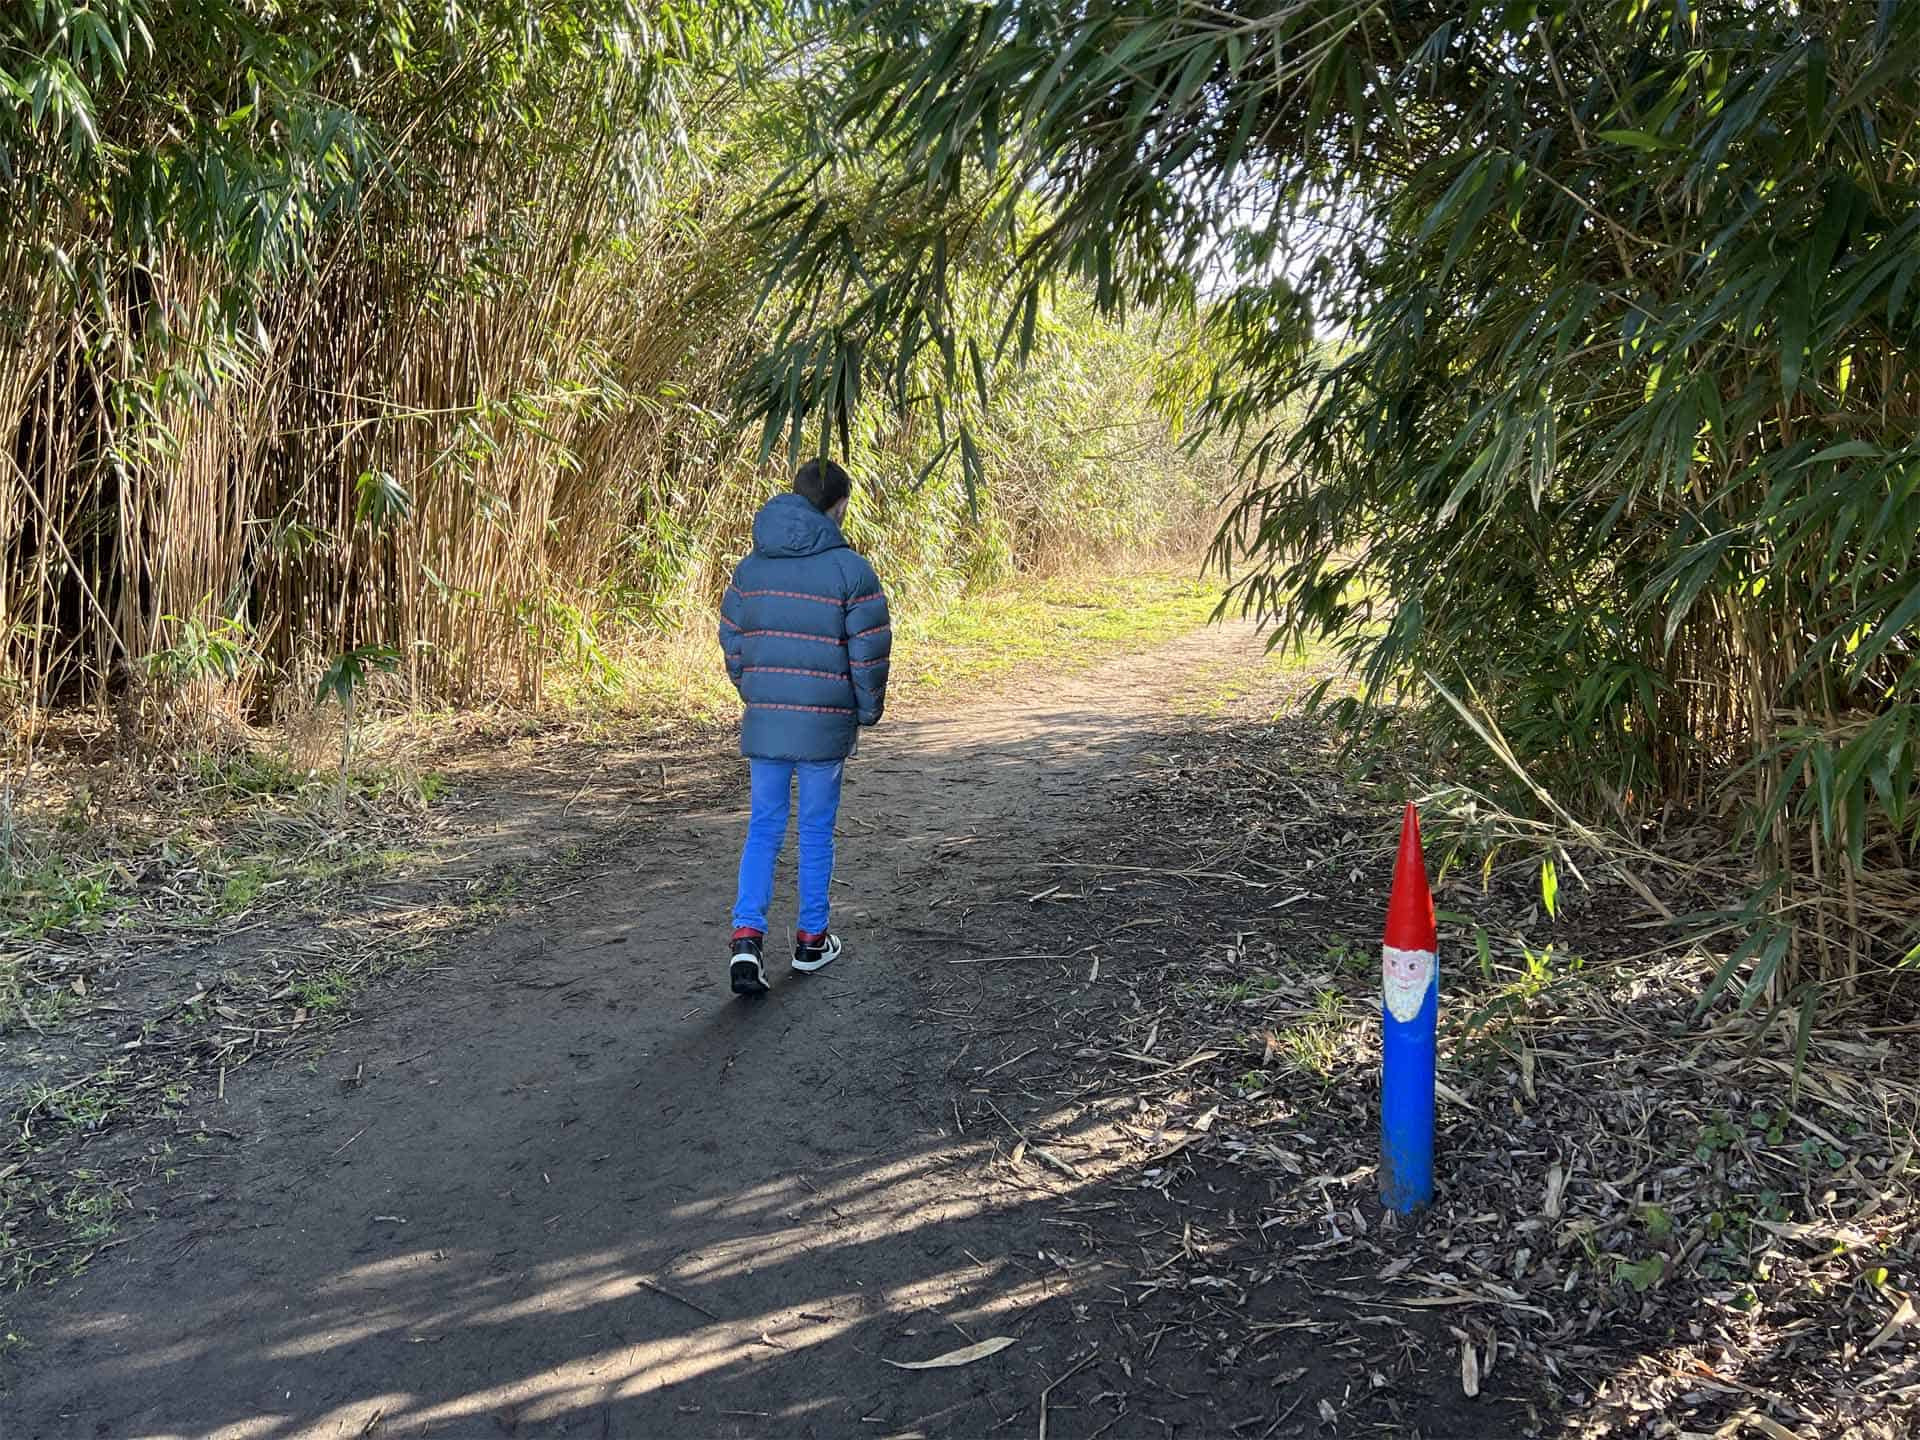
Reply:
x=767, y=832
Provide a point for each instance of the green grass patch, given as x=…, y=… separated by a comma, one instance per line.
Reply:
x=83, y=1209
x=219, y=834
x=83, y=1105
x=1315, y=1046
x=61, y=892
x=1237, y=992
x=34, y=1005
x=1224, y=686
x=323, y=990
x=242, y=887
x=1066, y=622
x=251, y=774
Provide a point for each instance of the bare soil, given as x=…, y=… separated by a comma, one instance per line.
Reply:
x=561, y=1182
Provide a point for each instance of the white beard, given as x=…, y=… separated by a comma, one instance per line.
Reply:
x=1405, y=977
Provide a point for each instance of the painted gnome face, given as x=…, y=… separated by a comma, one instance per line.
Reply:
x=1406, y=975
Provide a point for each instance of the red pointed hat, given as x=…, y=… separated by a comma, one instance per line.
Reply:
x=1410, y=911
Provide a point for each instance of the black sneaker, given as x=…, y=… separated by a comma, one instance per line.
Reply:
x=815, y=952
x=746, y=972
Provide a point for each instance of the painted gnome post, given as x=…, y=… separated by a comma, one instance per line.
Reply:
x=1409, y=1018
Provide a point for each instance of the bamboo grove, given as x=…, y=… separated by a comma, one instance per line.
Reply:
x=344, y=338
x=1613, y=442
x=1567, y=347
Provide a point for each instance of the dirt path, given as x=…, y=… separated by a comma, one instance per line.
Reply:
x=572, y=1186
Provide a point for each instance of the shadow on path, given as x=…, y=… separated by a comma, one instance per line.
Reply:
x=575, y=1187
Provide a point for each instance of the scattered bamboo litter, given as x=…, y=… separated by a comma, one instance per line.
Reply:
x=1614, y=1175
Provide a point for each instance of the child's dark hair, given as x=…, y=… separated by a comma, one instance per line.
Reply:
x=822, y=482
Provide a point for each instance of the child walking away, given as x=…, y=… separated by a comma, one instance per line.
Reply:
x=806, y=633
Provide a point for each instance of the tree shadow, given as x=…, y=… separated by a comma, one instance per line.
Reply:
x=570, y=1186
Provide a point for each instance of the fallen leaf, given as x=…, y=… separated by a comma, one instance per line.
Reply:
x=1556, y=1183
x=966, y=1355
x=1200, y=1057
x=1898, y=1321
x=1172, y=1150
x=1766, y=1425
x=1019, y=1152
x=1469, y=1371
x=1844, y=1235
x=1328, y=1413
x=1047, y=1158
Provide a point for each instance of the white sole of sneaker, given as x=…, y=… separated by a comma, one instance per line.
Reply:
x=828, y=955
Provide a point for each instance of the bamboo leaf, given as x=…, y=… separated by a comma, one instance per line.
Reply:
x=965, y=1355
x=1795, y=320
x=1640, y=140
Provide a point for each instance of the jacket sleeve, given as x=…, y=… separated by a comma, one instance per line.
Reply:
x=869, y=642
x=732, y=620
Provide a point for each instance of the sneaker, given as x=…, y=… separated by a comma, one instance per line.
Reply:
x=815, y=952
x=746, y=971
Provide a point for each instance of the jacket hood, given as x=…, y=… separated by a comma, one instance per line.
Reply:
x=789, y=525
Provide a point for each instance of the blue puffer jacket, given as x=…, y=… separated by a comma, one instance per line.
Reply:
x=807, y=637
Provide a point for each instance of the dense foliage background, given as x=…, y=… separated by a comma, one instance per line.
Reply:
x=1571, y=347
x=1567, y=347
x=341, y=336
